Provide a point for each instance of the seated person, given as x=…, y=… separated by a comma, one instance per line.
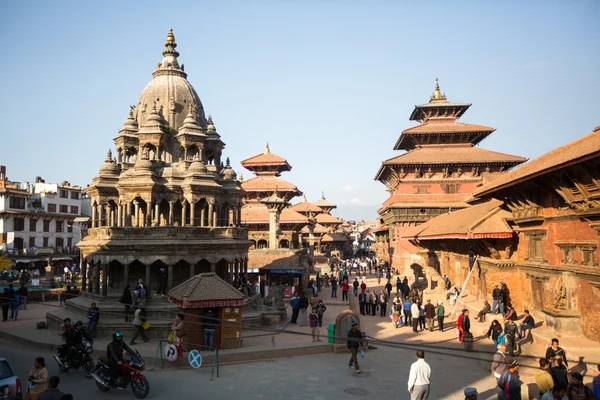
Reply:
x=485, y=310
x=527, y=324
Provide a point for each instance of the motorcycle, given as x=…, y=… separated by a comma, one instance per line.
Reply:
x=130, y=375
x=82, y=358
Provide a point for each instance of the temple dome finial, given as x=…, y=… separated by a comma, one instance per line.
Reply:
x=108, y=156
x=323, y=195
x=170, y=45
x=210, y=125
x=267, y=149
x=437, y=95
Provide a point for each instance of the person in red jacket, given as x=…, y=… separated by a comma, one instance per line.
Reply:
x=345, y=287
x=459, y=326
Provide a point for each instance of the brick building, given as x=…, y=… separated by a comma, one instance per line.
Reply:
x=440, y=169
x=535, y=228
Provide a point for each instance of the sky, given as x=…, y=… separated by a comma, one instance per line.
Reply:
x=329, y=84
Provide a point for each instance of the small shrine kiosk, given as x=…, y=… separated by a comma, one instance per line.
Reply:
x=203, y=292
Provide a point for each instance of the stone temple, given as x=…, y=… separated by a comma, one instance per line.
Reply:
x=167, y=199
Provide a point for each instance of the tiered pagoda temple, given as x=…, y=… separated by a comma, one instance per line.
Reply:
x=440, y=169
x=255, y=214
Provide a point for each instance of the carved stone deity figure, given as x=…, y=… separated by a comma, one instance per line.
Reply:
x=278, y=296
x=560, y=295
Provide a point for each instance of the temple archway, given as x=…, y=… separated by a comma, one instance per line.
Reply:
x=202, y=266
x=262, y=244
x=284, y=244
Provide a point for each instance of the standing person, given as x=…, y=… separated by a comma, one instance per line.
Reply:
x=459, y=326
x=354, y=342
x=510, y=382
x=497, y=300
x=559, y=373
x=368, y=301
x=362, y=302
x=407, y=307
x=388, y=288
x=505, y=294
x=295, y=304
x=6, y=299
x=313, y=322
x=38, y=377
x=15, y=305
x=414, y=311
x=345, y=288
x=138, y=324
x=334, y=285
x=555, y=352
x=398, y=284
x=373, y=303
x=383, y=300
x=495, y=331
x=596, y=385
x=355, y=286
x=320, y=311
x=140, y=292
x=93, y=318
x=429, y=315
x=178, y=333
x=209, y=323
x=126, y=300
x=485, y=310
x=303, y=305
x=527, y=324
x=440, y=312
x=163, y=277
x=23, y=292
x=466, y=323
x=543, y=379
x=52, y=393
x=510, y=331
x=363, y=286
x=419, y=378
x=499, y=361
x=421, y=315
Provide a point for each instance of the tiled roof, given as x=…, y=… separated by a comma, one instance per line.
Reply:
x=318, y=229
x=274, y=261
x=447, y=127
x=334, y=237
x=453, y=155
x=306, y=207
x=268, y=183
x=324, y=202
x=205, y=290
x=426, y=200
x=257, y=213
x=266, y=159
x=575, y=152
x=324, y=218
x=486, y=220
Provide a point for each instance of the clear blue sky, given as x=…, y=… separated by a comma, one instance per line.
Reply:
x=329, y=84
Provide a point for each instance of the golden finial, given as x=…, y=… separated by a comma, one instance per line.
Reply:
x=170, y=45
x=267, y=149
x=437, y=95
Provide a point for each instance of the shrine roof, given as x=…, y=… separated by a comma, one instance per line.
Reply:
x=324, y=218
x=259, y=214
x=306, y=207
x=205, y=290
x=318, y=229
x=486, y=220
x=453, y=155
x=268, y=184
x=447, y=127
x=572, y=153
x=266, y=159
x=334, y=237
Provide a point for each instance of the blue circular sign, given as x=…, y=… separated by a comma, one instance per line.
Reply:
x=195, y=359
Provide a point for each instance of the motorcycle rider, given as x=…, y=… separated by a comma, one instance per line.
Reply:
x=114, y=353
x=75, y=339
x=65, y=331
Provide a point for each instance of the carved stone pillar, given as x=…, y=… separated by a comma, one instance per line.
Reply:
x=148, y=213
x=157, y=214
x=192, y=211
x=107, y=213
x=113, y=221
x=94, y=217
x=126, y=275
x=148, y=277
x=136, y=213
x=213, y=267
x=83, y=274
x=183, y=212
x=203, y=216
x=272, y=228
x=171, y=204
x=119, y=215
x=210, y=214
x=97, y=279
x=215, y=217
x=170, y=278
x=104, y=280
x=192, y=270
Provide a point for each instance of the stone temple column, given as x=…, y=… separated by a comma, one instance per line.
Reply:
x=97, y=279
x=215, y=218
x=120, y=215
x=311, y=239
x=105, y=280
x=272, y=228
x=210, y=214
x=148, y=213
x=126, y=274
x=107, y=211
x=192, y=270
x=83, y=274
x=171, y=204
x=183, y=212
x=136, y=215
x=157, y=214
x=148, y=277
x=94, y=217
x=192, y=210
x=202, y=216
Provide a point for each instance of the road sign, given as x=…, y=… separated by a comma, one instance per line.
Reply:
x=170, y=352
x=195, y=359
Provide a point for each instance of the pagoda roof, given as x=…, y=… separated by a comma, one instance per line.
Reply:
x=257, y=213
x=318, y=229
x=324, y=202
x=445, y=127
x=269, y=184
x=206, y=290
x=482, y=221
x=580, y=150
x=306, y=207
x=438, y=107
x=266, y=159
x=454, y=155
x=324, y=218
x=455, y=199
x=334, y=237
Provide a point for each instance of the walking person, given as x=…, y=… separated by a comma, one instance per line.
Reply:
x=510, y=331
x=138, y=324
x=383, y=300
x=368, y=302
x=577, y=390
x=440, y=312
x=313, y=323
x=499, y=361
x=320, y=311
x=407, y=307
x=355, y=286
x=419, y=378
x=345, y=288
x=459, y=326
x=429, y=315
x=23, y=292
x=163, y=277
x=15, y=306
x=398, y=285
x=554, y=352
x=388, y=288
x=38, y=378
x=295, y=304
x=543, y=378
x=210, y=324
x=510, y=383
x=414, y=310
x=354, y=343
x=362, y=302
x=466, y=324
x=52, y=393
x=126, y=299
x=6, y=299
x=497, y=300
x=421, y=316
x=93, y=318
x=334, y=286
x=178, y=333
x=495, y=331
x=373, y=303
x=303, y=305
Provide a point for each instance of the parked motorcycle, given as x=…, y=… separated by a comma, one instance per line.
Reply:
x=82, y=357
x=130, y=375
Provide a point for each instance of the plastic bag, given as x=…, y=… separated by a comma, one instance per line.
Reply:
x=146, y=325
x=171, y=337
x=501, y=338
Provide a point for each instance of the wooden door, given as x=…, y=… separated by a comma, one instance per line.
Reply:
x=231, y=328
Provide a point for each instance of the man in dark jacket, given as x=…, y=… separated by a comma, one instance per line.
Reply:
x=354, y=342
x=510, y=330
x=497, y=300
x=527, y=324
x=361, y=302
x=52, y=393
x=163, y=277
x=485, y=310
x=429, y=314
x=510, y=382
x=466, y=323
x=93, y=318
x=114, y=353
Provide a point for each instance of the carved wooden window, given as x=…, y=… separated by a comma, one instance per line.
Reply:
x=588, y=256
x=422, y=189
x=536, y=251
x=451, y=188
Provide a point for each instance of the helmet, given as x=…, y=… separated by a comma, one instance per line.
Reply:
x=117, y=335
x=78, y=323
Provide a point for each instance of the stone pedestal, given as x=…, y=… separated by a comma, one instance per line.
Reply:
x=564, y=323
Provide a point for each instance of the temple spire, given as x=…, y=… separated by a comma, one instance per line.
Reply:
x=437, y=95
x=170, y=45
x=323, y=195
x=267, y=150
x=108, y=156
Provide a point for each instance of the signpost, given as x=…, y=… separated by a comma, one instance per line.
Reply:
x=170, y=352
x=195, y=359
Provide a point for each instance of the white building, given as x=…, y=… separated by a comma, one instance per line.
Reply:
x=38, y=221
